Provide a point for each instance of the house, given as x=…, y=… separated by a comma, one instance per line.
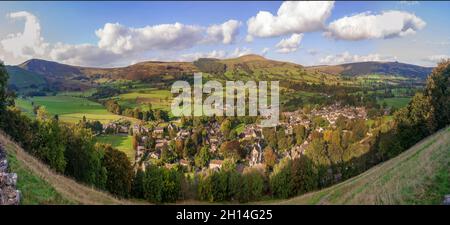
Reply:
x=215, y=164
x=158, y=132
x=123, y=129
x=160, y=144
x=184, y=162
x=155, y=155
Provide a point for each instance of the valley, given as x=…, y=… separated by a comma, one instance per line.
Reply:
x=335, y=123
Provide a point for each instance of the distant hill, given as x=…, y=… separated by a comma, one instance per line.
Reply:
x=384, y=68
x=249, y=67
x=22, y=78
x=49, y=68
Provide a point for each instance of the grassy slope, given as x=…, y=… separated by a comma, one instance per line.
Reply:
x=40, y=185
x=121, y=142
x=70, y=109
x=420, y=175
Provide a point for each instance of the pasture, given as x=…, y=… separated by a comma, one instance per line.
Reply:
x=69, y=109
x=120, y=142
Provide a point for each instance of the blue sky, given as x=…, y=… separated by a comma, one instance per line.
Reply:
x=328, y=33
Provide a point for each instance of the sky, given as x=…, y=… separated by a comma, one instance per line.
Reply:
x=113, y=34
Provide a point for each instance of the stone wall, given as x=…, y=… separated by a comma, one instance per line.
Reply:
x=9, y=195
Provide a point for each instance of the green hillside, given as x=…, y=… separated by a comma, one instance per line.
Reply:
x=420, y=175
x=22, y=78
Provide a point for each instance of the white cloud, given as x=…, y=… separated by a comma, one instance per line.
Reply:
x=27, y=43
x=225, y=32
x=436, y=58
x=120, y=39
x=116, y=44
x=249, y=38
x=289, y=45
x=83, y=54
x=366, y=25
x=292, y=17
x=238, y=52
x=346, y=57
x=265, y=51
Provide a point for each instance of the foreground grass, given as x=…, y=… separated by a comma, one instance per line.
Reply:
x=40, y=185
x=418, y=176
x=34, y=190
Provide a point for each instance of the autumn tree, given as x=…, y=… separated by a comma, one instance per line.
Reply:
x=270, y=157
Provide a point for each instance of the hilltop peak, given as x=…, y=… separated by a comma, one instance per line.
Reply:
x=251, y=57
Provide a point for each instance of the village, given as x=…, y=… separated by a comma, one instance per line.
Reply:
x=152, y=142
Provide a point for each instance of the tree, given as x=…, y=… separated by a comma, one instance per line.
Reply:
x=137, y=189
x=304, y=177
x=120, y=171
x=226, y=127
x=300, y=134
x=438, y=92
x=3, y=97
x=83, y=157
x=280, y=179
x=202, y=157
x=232, y=149
x=270, y=158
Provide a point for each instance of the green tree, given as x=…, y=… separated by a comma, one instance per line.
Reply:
x=202, y=157
x=120, y=171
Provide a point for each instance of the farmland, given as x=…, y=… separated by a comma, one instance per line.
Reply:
x=121, y=142
x=69, y=109
x=396, y=102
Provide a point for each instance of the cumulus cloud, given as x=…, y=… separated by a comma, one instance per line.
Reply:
x=225, y=32
x=265, y=51
x=28, y=42
x=83, y=54
x=346, y=57
x=116, y=42
x=289, y=45
x=292, y=17
x=249, y=38
x=238, y=52
x=436, y=58
x=366, y=25
x=120, y=39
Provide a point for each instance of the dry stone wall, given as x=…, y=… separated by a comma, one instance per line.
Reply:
x=9, y=195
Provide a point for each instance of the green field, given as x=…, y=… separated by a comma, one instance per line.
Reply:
x=142, y=97
x=68, y=108
x=397, y=102
x=121, y=142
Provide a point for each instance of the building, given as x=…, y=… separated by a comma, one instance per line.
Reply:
x=215, y=164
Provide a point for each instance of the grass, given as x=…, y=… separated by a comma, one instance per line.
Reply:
x=142, y=97
x=121, y=142
x=41, y=185
x=419, y=175
x=68, y=108
x=33, y=189
x=397, y=102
